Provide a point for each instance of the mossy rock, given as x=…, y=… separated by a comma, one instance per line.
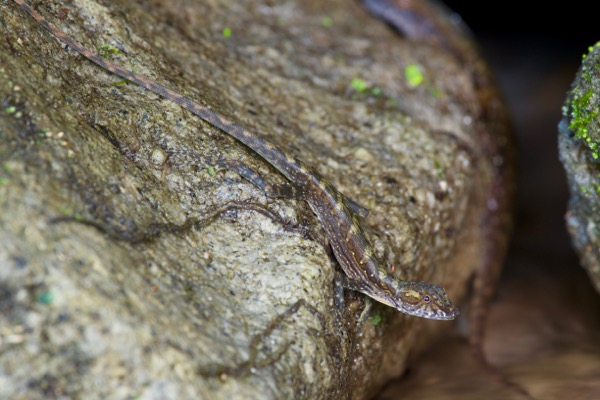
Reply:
x=171, y=281
x=579, y=147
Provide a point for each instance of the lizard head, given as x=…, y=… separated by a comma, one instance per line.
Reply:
x=424, y=300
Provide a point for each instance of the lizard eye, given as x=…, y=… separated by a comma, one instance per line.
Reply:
x=426, y=299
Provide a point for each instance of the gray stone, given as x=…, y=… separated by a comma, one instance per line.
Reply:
x=126, y=275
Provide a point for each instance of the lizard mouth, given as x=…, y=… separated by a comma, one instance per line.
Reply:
x=431, y=312
x=446, y=314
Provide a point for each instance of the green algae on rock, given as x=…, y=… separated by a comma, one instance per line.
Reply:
x=582, y=105
x=579, y=148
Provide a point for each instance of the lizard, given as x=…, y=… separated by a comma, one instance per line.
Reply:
x=423, y=21
x=338, y=215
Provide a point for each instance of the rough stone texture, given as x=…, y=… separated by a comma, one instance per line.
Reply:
x=579, y=141
x=173, y=281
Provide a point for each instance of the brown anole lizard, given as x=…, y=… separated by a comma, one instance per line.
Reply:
x=337, y=214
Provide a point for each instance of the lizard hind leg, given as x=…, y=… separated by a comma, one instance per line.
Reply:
x=287, y=190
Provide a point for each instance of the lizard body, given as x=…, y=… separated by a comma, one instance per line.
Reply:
x=337, y=214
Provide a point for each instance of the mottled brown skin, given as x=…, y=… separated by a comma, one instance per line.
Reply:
x=337, y=214
x=426, y=21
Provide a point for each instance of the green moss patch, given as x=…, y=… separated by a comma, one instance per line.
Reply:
x=582, y=106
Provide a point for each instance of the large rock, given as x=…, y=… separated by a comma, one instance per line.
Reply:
x=176, y=282
x=579, y=146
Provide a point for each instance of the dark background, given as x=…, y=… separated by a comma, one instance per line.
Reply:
x=535, y=53
x=564, y=23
